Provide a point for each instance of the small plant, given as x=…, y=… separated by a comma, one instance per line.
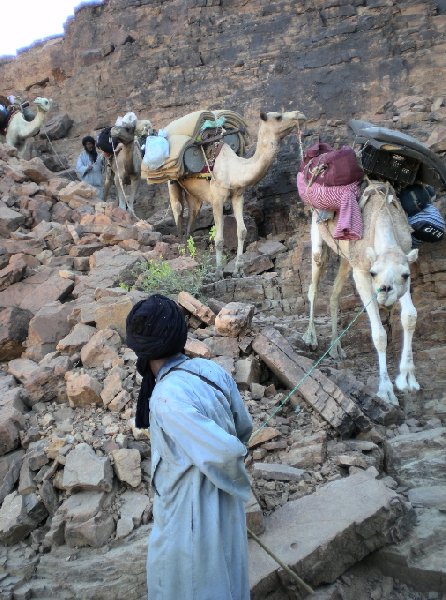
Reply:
x=212, y=234
x=125, y=286
x=191, y=248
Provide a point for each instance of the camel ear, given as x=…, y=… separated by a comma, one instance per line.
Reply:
x=413, y=255
x=263, y=116
x=371, y=254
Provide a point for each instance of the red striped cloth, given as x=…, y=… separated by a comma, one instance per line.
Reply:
x=341, y=198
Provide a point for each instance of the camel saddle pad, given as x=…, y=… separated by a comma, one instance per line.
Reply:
x=189, y=124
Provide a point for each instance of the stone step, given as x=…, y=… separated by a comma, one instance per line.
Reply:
x=323, y=534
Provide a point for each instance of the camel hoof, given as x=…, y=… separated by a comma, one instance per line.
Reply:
x=310, y=338
x=337, y=352
x=406, y=382
x=386, y=394
x=218, y=274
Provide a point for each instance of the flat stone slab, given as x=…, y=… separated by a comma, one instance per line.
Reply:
x=277, y=471
x=311, y=534
x=322, y=394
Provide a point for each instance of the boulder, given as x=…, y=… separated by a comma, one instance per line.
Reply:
x=82, y=389
x=85, y=470
x=127, y=466
x=10, y=220
x=46, y=328
x=19, y=515
x=234, y=319
x=14, y=324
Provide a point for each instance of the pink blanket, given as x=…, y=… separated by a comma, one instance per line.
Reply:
x=341, y=198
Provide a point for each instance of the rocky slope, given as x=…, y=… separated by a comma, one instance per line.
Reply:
x=70, y=271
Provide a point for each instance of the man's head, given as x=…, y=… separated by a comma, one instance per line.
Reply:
x=88, y=143
x=156, y=328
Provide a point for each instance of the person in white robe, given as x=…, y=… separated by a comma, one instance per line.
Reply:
x=198, y=430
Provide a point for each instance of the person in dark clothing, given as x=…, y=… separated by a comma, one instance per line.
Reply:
x=198, y=430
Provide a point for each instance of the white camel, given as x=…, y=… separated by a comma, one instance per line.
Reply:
x=125, y=167
x=19, y=130
x=380, y=264
x=230, y=176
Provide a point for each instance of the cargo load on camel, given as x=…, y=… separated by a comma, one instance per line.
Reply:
x=194, y=142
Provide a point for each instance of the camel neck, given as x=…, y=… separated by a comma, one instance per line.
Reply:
x=384, y=234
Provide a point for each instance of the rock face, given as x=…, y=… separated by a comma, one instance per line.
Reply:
x=220, y=51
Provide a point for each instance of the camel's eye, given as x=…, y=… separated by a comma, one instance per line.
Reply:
x=372, y=274
x=405, y=276
x=279, y=118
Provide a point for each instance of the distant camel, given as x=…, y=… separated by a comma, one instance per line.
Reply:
x=380, y=263
x=19, y=130
x=230, y=176
x=125, y=167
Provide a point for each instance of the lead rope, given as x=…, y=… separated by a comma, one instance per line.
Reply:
x=300, y=582
x=58, y=158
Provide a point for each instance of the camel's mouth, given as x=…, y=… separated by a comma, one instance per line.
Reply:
x=386, y=299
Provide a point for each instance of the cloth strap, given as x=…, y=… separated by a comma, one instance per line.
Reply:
x=202, y=377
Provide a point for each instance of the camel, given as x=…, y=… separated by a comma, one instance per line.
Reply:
x=229, y=178
x=19, y=130
x=125, y=167
x=380, y=265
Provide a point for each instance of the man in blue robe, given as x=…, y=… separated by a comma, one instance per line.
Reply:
x=198, y=428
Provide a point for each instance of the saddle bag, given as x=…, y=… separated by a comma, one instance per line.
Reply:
x=414, y=198
x=326, y=166
x=105, y=142
x=428, y=225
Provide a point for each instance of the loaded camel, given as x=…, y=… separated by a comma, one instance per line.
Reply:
x=125, y=167
x=230, y=176
x=380, y=264
x=19, y=130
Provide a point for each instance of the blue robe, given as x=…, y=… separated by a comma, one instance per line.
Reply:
x=93, y=177
x=198, y=544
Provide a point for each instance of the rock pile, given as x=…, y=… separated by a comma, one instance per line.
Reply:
x=74, y=470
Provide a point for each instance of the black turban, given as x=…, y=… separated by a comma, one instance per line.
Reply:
x=88, y=138
x=155, y=328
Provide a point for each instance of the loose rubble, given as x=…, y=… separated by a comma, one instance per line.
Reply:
x=74, y=470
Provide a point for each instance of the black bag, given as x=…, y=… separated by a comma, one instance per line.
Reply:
x=428, y=225
x=416, y=197
x=105, y=142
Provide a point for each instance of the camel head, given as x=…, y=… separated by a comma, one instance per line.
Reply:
x=390, y=273
x=43, y=104
x=124, y=133
x=143, y=128
x=281, y=124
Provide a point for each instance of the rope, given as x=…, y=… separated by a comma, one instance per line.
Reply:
x=58, y=157
x=300, y=582
x=207, y=163
x=312, y=368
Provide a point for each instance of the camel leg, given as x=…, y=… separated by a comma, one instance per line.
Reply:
x=107, y=182
x=177, y=206
x=379, y=336
x=193, y=206
x=218, y=198
x=121, y=196
x=318, y=257
x=134, y=186
x=237, y=207
x=406, y=380
x=343, y=271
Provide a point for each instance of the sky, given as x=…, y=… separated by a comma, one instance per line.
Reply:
x=39, y=19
